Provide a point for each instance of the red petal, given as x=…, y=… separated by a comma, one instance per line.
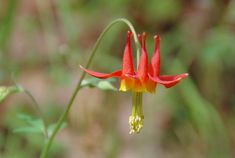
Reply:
x=169, y=81
x=102, y=75
x=154, y=68
x=127, y=61
x=143, y=65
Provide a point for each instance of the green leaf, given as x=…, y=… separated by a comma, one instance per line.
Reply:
x=5, y=91
x=90, y=82
x=26, y=130
x=101, y=84
x=34, y=125
x=52, y=127
x=105, y=85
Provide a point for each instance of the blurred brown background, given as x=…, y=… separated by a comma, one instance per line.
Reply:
x=43, y=42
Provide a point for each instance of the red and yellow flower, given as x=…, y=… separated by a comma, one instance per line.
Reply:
x=145, y=79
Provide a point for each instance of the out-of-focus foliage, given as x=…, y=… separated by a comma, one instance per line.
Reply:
x=103, y=85
x=5, y=91
x=43, y=42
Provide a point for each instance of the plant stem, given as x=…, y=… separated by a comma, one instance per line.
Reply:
x=36, y=105
x=63, y=117
x=38, y=110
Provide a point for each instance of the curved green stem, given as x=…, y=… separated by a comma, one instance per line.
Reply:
x=38, y=110
x=36, y=105
x=63, y=117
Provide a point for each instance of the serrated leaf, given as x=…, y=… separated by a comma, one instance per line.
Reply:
x=5, y=91
x=52, y=127
x=101, y=84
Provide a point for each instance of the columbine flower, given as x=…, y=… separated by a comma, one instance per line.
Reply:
x=145, y=79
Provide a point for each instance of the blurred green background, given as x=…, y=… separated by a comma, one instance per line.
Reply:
x=42, y=42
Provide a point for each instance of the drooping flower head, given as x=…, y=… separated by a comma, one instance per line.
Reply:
x=145, y=79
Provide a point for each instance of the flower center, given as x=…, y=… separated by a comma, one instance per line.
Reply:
x=137, y=117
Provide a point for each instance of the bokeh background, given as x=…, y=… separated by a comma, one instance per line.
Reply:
x=42, y=42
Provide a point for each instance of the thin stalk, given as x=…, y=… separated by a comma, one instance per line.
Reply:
x=137, y=103
x=140, y=110
x=63, y=117
x=36, y=105
x=134, y=102
x=39, y=112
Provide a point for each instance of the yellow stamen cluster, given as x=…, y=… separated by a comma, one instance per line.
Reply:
x=136, y=123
